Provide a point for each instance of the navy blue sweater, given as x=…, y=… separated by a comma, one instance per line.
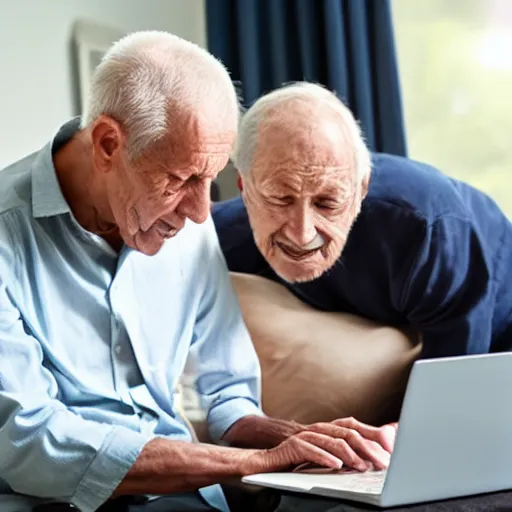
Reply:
x=426, y=251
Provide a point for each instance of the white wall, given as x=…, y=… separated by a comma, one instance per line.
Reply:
x=37, y=85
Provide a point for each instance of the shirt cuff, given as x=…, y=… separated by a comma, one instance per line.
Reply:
x=117, y=455
x=225, y=414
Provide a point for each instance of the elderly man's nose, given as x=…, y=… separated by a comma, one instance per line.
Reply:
x=301, y=229
x=200, y=215
x=195, y=205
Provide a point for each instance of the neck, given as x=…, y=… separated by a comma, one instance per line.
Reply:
x=82, y=187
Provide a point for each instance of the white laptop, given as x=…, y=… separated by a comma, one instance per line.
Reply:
x=454, y=439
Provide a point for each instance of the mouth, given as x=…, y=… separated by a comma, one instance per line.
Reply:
x=295, y=253
x=165, y=230
x=169, y=234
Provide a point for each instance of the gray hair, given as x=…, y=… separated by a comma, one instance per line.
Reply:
x=146, y=74
x=251, y=122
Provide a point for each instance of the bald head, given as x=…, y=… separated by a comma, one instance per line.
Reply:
x=294, y=113
x=305, y=169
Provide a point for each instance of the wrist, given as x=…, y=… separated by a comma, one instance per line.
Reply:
x=259, y=461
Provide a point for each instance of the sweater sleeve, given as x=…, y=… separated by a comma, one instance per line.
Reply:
x=448, y=295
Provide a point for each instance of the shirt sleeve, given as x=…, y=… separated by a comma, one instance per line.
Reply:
x=222, y=354
x=45, y=449
x=449, y=294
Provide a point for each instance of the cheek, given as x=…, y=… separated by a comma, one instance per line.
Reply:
x=258, y=215
x=336, y=227
x=264, y=224
x=144, y=208
x=151, y=200
x=121, y=197
x=129, y=190
x=267, y=221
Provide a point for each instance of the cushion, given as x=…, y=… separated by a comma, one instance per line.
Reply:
x=319, y=366
x=316, y=366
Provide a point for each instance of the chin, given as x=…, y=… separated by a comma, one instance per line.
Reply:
x=148, y=248
x=130, y=243
x=297, y=273
x=150, y=251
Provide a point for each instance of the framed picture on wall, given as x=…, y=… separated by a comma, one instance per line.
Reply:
x=91, y=41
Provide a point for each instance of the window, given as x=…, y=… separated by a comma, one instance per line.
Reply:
x=455, y=62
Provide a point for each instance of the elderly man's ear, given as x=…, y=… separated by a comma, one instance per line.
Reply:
x=108, y=139
x=365, y=183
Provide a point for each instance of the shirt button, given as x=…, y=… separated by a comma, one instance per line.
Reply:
x=118, y=349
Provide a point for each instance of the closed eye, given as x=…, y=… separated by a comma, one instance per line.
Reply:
x=326, y=204
x=170, y=185
x=281, y=200
x=172, y=179
x=193, y=179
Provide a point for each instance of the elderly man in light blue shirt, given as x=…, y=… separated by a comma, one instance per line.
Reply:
x=92, y=342
x=110, y=278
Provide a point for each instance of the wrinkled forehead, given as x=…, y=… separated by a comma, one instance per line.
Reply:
x=317, y=151
x=190, y=138
x=195, y=131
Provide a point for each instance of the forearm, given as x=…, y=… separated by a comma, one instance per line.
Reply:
x=166, y=466
x=90, y=458
x=261, y=432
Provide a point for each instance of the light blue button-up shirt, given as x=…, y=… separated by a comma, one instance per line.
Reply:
x=92, y=344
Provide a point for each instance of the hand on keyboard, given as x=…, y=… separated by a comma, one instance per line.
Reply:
x=384, y=436
x=359, y=442
x=345, y=442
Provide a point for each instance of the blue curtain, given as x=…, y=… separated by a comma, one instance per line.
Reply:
x=346, y=45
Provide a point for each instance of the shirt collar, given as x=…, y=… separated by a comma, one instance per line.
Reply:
x=47, y=198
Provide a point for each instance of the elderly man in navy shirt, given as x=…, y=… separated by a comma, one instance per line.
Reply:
x=381, y=236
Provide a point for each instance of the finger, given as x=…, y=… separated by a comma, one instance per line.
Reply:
x=388, y=436
x=381, y=435
x=328, y=429
x=368, y=450
x=354, y=424
x=337, y=447
x=375, y=451
x=309, y=452
x=334, y=430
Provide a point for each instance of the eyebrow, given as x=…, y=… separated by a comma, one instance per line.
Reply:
x=276, y=188
x=343, y=192
x=293, y=185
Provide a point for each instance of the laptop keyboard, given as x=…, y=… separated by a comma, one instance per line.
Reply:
x=369, y=482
